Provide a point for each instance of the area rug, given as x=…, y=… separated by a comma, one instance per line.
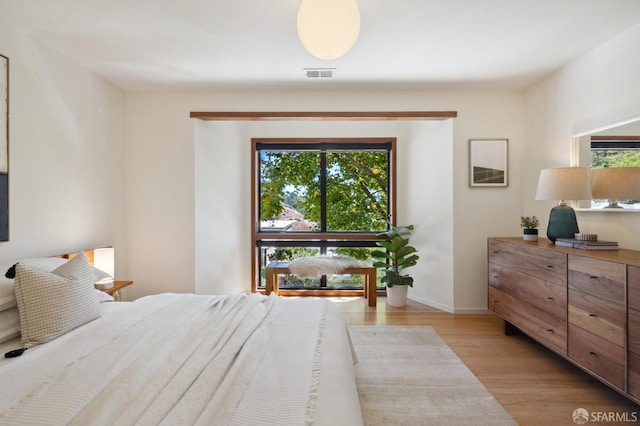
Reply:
x=409, y=376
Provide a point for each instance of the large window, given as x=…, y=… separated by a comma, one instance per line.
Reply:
x=315, y=196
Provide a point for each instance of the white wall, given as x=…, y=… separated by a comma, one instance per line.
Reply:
x=599, y=88
x=223, y=196
x=222, y=207
x=66, y=155
x=425, y=199
x=166, y=168
x=480, y=213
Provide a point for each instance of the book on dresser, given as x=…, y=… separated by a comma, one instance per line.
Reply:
x=586, y=245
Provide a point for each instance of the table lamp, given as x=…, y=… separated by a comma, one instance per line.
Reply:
x=615, y=183
x=565, y=183
x=104, y=260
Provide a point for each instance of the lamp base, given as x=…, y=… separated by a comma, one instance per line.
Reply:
x=562, y=223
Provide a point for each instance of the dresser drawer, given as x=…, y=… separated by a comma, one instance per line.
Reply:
x=600, y=278
x=547, y=329
x=633, y=355
x=633, y=282
x=548, y=265
x=634, y=330
x=597, y=355
x=633, y=374
x=600, y=317
x=550, y=297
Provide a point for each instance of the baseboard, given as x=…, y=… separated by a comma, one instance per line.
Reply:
x=450, y=309
x=431, y=303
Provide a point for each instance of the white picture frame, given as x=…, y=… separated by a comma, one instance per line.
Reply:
x=488, y=162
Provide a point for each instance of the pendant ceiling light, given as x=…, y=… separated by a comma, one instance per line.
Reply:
x=328, y=29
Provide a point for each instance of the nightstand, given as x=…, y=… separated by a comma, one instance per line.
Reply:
x=117, y=286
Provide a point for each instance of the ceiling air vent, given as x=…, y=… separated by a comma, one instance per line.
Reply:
x=319, y=72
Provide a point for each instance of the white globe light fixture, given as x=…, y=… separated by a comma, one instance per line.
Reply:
x=328, y=29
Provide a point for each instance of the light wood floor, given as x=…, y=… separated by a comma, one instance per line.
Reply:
x=534, y=385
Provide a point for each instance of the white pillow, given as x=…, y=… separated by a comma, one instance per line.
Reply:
x=7, y=295
x=100, y=274
x=46, y=263
x=52, y=303
x=104, y=297
x=9, y=325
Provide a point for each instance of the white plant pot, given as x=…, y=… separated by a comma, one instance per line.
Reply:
x=397, y=295
x=530, y=234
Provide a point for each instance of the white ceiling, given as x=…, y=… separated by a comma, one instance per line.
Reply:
x=152, y=44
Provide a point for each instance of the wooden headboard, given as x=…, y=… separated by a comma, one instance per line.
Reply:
x=88, y=253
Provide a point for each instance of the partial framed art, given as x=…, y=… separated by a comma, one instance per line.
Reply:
x=488, y=162
x=4, y=148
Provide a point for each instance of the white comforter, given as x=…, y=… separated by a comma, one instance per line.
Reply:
x=187, y=359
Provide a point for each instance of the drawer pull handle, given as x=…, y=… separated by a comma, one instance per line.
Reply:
x=549, y=266
x=549, y=298
x=550, y=330
x=593, y=277
x=593, y=354
x=593, y=315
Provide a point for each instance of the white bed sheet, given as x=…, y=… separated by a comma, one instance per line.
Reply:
x=337, y=399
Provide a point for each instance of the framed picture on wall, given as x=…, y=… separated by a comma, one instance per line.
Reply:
x=488, y=162
x=4, y=148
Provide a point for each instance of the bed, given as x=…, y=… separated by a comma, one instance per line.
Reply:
x=169, y=359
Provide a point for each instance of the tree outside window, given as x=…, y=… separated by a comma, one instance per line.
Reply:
x=327, y=197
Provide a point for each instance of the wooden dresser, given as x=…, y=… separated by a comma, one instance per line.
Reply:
x=583, y=305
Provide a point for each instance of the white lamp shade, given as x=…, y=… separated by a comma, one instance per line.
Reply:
x=328, y=29
x=104, y=259
x=616, y=183
x=565, y=183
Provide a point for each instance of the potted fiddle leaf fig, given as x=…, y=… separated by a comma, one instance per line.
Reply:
x=397, y=256
x=529, y=227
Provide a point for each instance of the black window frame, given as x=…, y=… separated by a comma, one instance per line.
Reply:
x=322, y=238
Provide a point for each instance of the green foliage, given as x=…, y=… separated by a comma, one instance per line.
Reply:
x=614, y=158
x=356, y=194
x=291, y=175
x=287, y=254
x=397, y=256
x=527, y=222
x=360, y=253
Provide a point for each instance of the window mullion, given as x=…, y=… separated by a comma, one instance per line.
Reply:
x=323, y=191
x=323, y=205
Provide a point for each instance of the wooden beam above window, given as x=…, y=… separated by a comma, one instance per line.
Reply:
x=322, y=115
x=609, y=138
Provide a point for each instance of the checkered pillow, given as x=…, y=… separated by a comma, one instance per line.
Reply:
x=53, y=303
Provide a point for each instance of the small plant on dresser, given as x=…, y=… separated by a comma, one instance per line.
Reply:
x=529, y=225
